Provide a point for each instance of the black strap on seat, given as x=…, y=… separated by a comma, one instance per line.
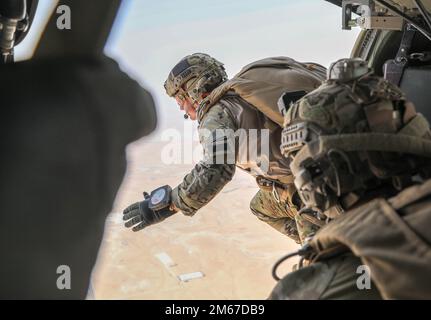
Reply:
x=394, y=68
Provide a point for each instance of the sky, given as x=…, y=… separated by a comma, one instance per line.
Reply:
x=150, y=37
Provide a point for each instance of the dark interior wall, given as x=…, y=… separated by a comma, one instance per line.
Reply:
x=64, y=133
x=67, y=118
x=91, y=26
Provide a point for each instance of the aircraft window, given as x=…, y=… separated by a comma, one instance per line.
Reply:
x=25, y=49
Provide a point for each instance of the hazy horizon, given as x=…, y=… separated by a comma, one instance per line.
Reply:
x=150, y=38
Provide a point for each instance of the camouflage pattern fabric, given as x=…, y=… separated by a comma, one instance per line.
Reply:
x=198, y=72
x=373, y=130
x=390, y=237
x=306, y=229
x=274, y=213
x=208, y=178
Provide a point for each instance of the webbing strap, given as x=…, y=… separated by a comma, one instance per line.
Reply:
x=383, y=142
x=411, y=195
x=418, y=126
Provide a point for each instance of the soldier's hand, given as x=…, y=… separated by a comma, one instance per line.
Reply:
x=139, y=216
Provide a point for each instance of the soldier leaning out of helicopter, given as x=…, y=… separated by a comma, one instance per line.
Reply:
x=247, y=102
x=360, y=157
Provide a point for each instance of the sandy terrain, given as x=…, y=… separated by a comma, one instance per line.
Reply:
x=224, y=241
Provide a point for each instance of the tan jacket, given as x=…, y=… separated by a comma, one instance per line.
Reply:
x=208, y=177
x=263, y=140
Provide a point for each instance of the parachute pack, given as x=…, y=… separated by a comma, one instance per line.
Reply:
x=263, y=82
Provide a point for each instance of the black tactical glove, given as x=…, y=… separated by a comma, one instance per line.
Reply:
x=140, y=216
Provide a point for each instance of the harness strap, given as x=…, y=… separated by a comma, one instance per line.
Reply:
x=417, y=127
x=383, y=142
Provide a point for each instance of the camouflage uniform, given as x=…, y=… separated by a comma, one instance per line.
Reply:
x=276, y=214
x=354, y=143
x=391, y=237
x=222, y=105
x=207, y=179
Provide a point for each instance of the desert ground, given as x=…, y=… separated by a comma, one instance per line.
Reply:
x=230, y=247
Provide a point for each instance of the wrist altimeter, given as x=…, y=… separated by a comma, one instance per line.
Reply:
x=160, y=198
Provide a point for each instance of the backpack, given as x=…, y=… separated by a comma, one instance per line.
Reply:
x=262, y=83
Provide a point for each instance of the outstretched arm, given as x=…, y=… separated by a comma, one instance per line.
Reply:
x=201, y=185
x=208, y=177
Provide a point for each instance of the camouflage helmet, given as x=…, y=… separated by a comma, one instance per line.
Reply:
x=351, y=136
x=194, y=75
